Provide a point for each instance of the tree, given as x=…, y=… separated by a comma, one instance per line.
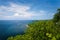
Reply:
x=57, y=16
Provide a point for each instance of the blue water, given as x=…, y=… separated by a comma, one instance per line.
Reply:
x=12, y=27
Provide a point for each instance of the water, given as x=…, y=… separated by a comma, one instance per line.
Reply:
x=12, y=27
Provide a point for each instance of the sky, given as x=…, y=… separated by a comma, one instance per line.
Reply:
x=28, y=9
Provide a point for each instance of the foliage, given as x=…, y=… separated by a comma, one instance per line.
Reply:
x=41, y=30
x=57, y=16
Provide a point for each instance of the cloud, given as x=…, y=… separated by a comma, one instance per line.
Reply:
x=16, y=11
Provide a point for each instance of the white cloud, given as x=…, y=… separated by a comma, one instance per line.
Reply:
x=16, y=14
x=42, y=12
x=19, y=11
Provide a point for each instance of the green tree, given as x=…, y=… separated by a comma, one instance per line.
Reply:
x=57, y=16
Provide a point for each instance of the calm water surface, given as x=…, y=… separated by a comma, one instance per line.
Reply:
x=12, y=27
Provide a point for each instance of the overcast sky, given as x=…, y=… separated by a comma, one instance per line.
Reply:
x=28, y=9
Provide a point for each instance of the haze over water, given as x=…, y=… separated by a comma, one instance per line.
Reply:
x=12, y=27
